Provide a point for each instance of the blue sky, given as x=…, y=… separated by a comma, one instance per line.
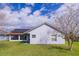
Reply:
x=49, y=7
x=23, y=15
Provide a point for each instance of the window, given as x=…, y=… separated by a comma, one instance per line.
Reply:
x=33, y=36
x=53, y=37
x=59, y=35
x=15, y=37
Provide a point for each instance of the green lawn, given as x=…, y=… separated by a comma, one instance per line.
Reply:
x=22, y=49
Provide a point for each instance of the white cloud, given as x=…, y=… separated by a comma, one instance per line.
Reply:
x=37, y=13
x=4, y=14
x=64, y=8
x=15, y=19
x=5, y=10
x=25, y=11
x=11, y=18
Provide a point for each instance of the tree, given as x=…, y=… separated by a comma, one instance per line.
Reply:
x=68, y=23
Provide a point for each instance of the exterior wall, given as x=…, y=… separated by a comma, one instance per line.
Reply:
x=43, y=36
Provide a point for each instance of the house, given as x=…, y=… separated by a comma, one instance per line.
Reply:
x=17, y=35
x=41, y=34
x=3, y=35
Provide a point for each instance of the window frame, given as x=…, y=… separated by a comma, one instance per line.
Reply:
x=33, y=36
x=54, y=39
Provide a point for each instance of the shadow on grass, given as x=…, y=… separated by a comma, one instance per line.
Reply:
x=24, y=42
x=50, y=47
x=58, y=47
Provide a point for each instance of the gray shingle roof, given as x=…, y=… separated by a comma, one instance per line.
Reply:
x=50, y=25
x=19, y=30
x=28, y=30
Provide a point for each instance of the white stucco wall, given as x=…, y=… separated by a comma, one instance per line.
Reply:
x=43, y=34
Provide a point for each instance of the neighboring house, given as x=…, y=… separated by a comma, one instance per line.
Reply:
x=3, y=35
x=41, y=34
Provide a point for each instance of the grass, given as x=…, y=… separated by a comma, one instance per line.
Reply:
x=23, y=49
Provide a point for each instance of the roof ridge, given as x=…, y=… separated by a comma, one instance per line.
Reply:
x=45, y=23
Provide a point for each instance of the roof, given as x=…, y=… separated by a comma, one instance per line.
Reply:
x=23, y=31
x=17, y=32
x=44, y=24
